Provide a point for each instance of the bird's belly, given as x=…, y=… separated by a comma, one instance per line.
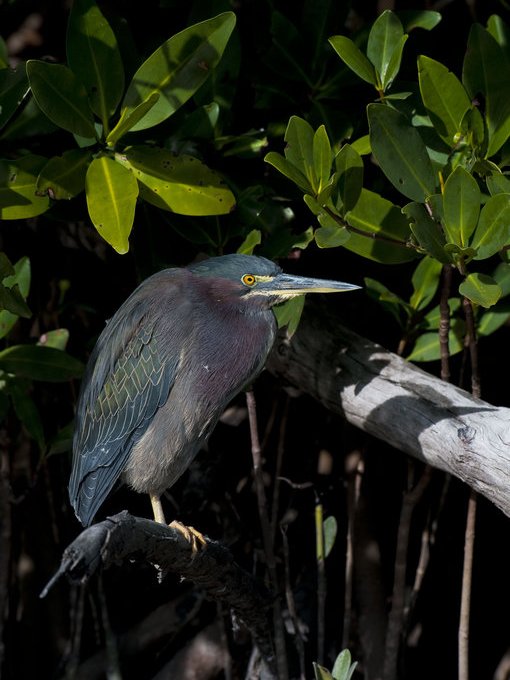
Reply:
x=201, y=391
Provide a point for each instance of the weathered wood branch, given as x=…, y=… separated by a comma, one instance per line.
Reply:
x=399, y=403
x=211, y=567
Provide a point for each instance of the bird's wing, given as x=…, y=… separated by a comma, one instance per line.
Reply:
x=128, y=378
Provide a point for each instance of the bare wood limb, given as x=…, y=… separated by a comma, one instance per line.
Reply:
x=212, y=568
x=393, y=400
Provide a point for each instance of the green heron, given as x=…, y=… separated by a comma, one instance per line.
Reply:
x=166, y=366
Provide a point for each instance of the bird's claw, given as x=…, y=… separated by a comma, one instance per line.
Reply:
x=194, y=537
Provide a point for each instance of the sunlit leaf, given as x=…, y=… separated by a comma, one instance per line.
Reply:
x=427, y=347
x=299, y=137
x=252, y=240
x=130, y=118
x=352, y=57
x=18, y=180
x=57, y=338
x=481, y=289
x=495, y=317
x=94, y=57
x=384, y=39
x=111, y=193
x=343, y=668
x=330, y=529
x=289, y=313
x=322, y=157
x=419, y=18
x=61, y=97
x=321, y=673
x=63, y=177
x=178, y=68
x=182, y=184
x=497, y=183
x=288, y=169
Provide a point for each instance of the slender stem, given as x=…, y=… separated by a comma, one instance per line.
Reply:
x=467, y=577
x=278, y=470
x=396, y=617
x=281, y=656
x=469, y=536
x=291, y=606
x=444, y=322
x=354, y=469
x=321, y=581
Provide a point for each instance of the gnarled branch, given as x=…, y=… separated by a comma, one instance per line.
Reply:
x=399, y=403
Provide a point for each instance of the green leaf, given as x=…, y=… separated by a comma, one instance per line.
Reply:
x=400, y=152
x=498, y=183
x=111, y=193
x=12, y=301
x=394, y=66
x=13, y=90
x=6, y=268
x=353, y=58
x=130, y=118
x=299, y=151
x=498, y=315
x=500, y=32
x=252, y=240
x=322, y=158
x=486, y=72
x=432, y=319
x=61, y=96
x=182, y=184
x=26, y=411
x=349, y=172
x=343, y=669
x=21, y=279
x=40, y=363
x=374, y=214
x=321, y=673
x=289, y=313
x=362, y=145
x=481, y=289
x=425, y=281
x=391, y=302
x=18, y=179
x=502, y=275
x=492, y=233
x=330, y=529
x=288, y=169
x=427, y=346
x=330, y=235
x=178, y=68
x=419, y=18
x=94, y=57
x=384, y=39
x=427, y=231
x=461, y=206
x=57, y=339
x=63, y=177
x=444, y=97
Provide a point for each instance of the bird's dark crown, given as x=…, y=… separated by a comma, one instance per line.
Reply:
x=234, y=267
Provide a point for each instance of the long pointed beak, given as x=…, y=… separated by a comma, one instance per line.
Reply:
x=299, y=285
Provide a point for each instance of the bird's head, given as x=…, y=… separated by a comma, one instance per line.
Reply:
x=258, y=280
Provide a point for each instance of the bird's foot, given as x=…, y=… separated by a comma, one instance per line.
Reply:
x=194, y=537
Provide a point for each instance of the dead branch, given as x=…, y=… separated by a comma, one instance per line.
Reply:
x=211, y=567
x=399, y=403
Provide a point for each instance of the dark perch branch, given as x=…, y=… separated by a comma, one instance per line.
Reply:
x=399, y=403
x=212, y=568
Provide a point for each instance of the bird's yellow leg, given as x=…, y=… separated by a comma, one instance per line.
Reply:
x=157, y=509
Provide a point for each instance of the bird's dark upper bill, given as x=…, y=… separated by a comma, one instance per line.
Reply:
x=303, y=284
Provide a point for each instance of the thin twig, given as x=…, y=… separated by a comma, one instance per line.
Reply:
x=354, y=470
x=321, y=581
x=396, y=617
x=275, y=503
x=444, y=322
x=291, y=606
x=469, y=536
x=279, y=634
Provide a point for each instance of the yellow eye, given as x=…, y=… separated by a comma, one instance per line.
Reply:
x=248, y=280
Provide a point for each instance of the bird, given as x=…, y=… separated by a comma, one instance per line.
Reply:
x=165, y=367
